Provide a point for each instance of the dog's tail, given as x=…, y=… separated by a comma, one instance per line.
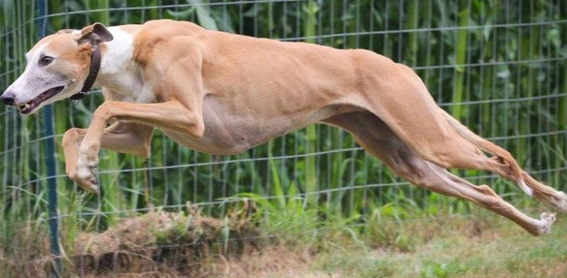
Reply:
x=500, y=154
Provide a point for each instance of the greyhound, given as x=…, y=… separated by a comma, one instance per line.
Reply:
x=223, y=93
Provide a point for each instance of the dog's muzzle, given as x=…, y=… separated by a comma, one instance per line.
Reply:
x=8, y=98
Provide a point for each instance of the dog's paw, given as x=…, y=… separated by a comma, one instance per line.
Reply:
x=86, y=175
x=545, y=223
x=87, y=179
x=90, y=185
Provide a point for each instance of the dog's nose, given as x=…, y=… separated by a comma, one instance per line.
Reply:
x=8, y=98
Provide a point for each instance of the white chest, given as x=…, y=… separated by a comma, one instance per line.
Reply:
x=119, y=73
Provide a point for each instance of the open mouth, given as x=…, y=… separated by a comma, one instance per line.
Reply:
x=33, y=104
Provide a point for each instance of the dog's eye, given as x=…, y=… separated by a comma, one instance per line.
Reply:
x=45, y=60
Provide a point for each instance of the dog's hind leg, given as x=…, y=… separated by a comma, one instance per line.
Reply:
x=438, y=138
x=405, y=106
x=378, y=139
x=505, y=165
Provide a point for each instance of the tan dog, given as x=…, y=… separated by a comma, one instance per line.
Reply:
x=223, y=94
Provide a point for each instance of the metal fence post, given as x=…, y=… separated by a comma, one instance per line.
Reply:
x=50, y=153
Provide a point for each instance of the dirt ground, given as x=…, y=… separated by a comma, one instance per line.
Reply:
x=188, y=244
x=164, y=244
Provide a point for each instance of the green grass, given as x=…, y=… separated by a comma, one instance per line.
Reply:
x=483, y=245
x=480, y=244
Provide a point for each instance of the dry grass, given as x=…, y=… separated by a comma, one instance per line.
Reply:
x=163, y=244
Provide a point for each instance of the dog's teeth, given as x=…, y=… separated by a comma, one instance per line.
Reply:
x=24, y=106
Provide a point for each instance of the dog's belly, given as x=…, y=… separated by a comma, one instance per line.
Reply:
x=232, y=131
x=224, y=136
x=224, y=140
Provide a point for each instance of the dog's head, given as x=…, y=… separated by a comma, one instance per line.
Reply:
x=57, y=67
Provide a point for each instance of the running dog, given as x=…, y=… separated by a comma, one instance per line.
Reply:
x=222, y=93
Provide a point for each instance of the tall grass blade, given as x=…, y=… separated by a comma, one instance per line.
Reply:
x=460, y=59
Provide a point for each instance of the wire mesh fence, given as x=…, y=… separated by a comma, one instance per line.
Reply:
x=498, y=66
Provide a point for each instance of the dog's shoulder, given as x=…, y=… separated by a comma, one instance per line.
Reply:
x=166, y=28
x=160, y=33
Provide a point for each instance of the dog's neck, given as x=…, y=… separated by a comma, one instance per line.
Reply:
x=118, y=71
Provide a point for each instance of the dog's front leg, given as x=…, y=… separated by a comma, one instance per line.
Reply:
x=171, y=115
x=124, y=137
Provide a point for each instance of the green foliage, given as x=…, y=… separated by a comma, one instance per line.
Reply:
x=436, y=270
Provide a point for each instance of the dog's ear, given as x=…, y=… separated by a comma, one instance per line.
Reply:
x=95, y=33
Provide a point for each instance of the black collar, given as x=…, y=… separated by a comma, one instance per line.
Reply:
x=93, y=72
